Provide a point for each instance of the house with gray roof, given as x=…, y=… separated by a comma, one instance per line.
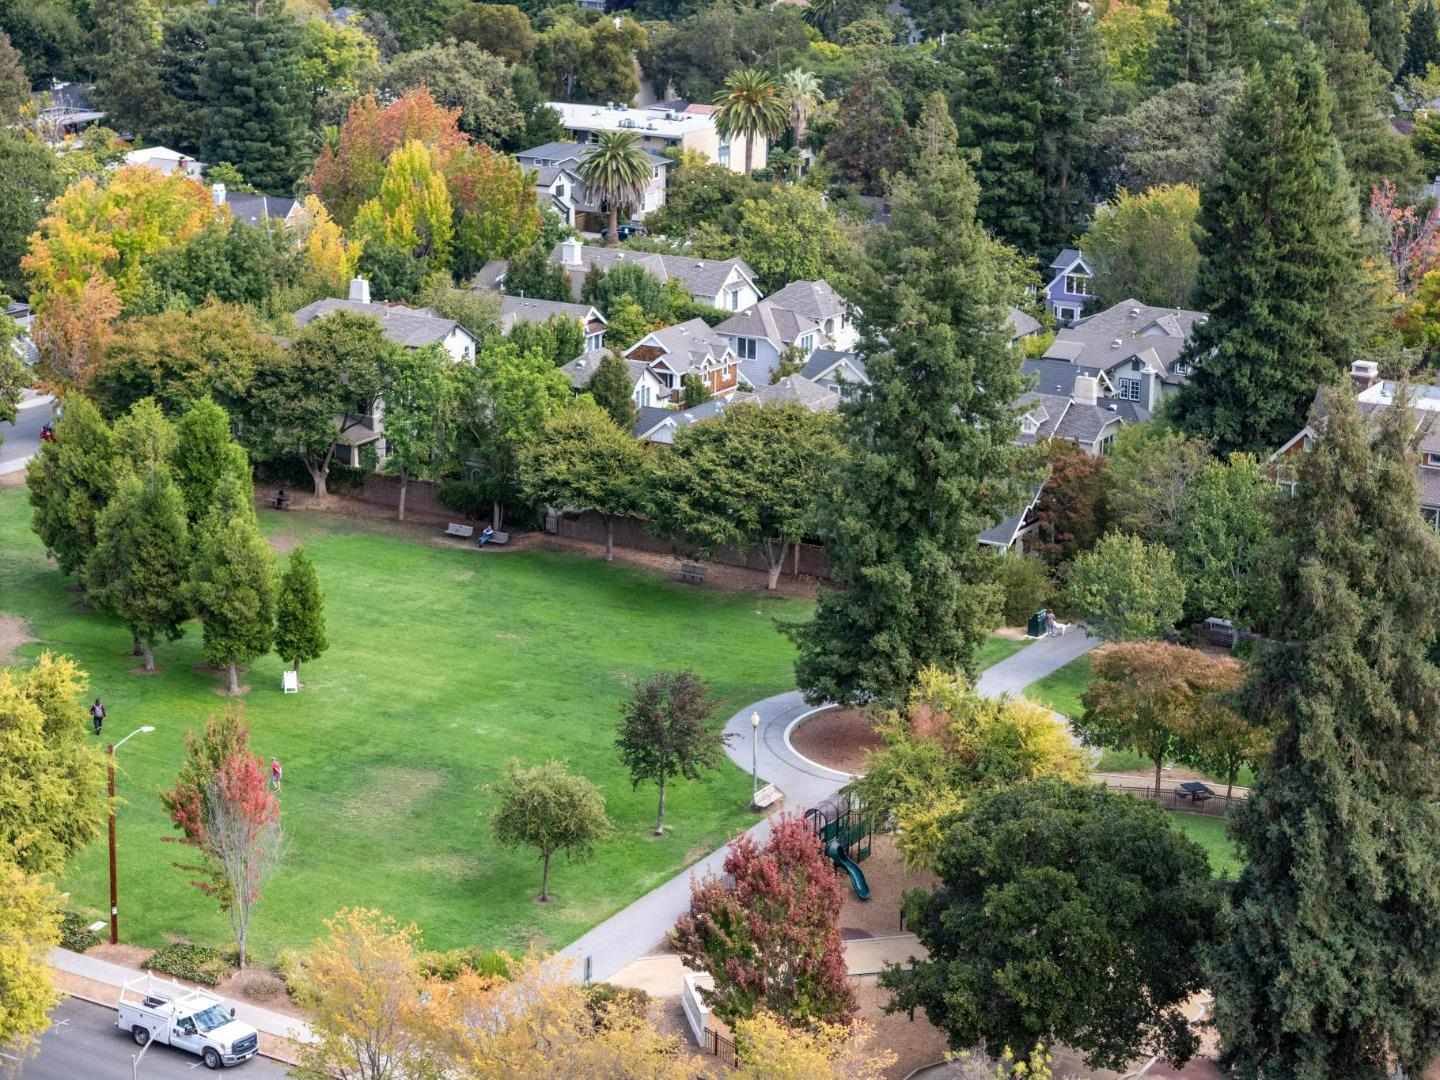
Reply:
x=728, y=284
x=1070, y=286
x=1021, y=323
x=688, y=348
x=798, y=390
x=840, y=371
x=646, y=390
x=803, y=316
x=559, y=186
x=518, y=309
x=256, y=209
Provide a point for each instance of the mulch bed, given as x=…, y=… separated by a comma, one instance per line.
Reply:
x=837, y=738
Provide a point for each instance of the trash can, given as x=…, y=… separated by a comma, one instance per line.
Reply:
x=1036, y=626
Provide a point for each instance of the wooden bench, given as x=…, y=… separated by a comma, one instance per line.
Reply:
x=767, y=796
x=494, y=538
x=462, y=531
x=280, y=502
x=692, y=573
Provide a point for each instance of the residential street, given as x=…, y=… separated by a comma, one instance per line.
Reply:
x=18, y=441
x=83, y=1044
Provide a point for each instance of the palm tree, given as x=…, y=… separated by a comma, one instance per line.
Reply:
x=803, y=93
x=818, y=13
x=751, y=105
x=616, y=170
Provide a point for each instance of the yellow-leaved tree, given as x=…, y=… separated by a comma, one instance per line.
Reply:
x=770, y=1050
x=29, y=928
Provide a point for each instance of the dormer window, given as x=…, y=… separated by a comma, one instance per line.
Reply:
x=1077, y=284
x=1431, y=460
x=1181, y=368
x=1028, y=425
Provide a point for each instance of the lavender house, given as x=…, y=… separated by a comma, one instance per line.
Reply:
x=1069, y=287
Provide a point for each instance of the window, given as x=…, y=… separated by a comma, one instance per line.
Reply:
x=733, y=296
x=1077, y=284
x=724, y=154
x=1431, y=514
x=1066, y=314
x=807, y=342
x=595, y=341
x=1028, y=425
x=559, y=191
x=1181, y=368
x=642, y=396
x=1129, y=389
x=1432, y=460
x=745, y=348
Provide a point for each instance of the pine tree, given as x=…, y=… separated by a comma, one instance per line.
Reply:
x=206, y=452
x=139, y=565
x=1333, y=955
x=931, y=461
x=252, y=94
x=70, y=480
x=610, y=387
x=232, y=586
x=300, y=613
x=1387, y=32
x=1281, y=272
x=1422, y=39
x=1033, y=88
x=1200, y=41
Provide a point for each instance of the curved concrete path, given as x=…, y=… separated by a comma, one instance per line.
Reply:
x=635, y=930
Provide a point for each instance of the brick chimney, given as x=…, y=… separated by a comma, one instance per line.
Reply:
x=360, y=290
x=1364, y=374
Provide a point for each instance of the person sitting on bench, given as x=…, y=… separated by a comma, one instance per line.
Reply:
x=486, y=535
x=281, y=499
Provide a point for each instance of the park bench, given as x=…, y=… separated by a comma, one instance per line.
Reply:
x=494, y=538
x=1194, y=790
x=280, y=501
x=767, y=796
x=462, y=531
x=692, y=573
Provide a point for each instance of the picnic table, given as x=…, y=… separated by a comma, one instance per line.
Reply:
x=1194, y=790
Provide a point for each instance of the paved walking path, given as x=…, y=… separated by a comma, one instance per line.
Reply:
x=103, y=971
x=636, y=930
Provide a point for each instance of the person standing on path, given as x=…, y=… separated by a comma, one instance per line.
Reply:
x=97, y=715
x=275, y=773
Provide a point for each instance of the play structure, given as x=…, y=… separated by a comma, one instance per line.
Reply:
x=842, y=827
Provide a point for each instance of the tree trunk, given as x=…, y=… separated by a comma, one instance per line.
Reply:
x=497, y=514
x=660, y=814
x=234, y=678
x=1230, y=784
x=240, y=943
x=774, y=562
x=404, y=490
x=318, y=475
x=136, y=649
x=544, y=879
x=1159, y=761
x=149, y=657
x=749, y=146
x=614, y=225
x=609, y=539
x=297, y=670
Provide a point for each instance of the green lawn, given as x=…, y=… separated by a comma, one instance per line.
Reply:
x=996, y=649
x=1209, y=833
x=1061, y=690
x=444, y=662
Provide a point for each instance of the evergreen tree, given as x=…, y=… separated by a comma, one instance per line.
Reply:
x=1330, y=965
x=1358, y=82
x=139, y=565
x=1200, y=41
x=232, y=585
x=1281, y=272
x=1034, y=86
x=145, y=440
x=1422, y=40
x=252, y=94
x=300, y=613
x=931, y=461
x=1387, y=32
x=610, y=386
x=204, y=454
x=70, y=480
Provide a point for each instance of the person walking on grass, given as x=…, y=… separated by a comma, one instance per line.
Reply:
x=275, y=773
x=97, y=715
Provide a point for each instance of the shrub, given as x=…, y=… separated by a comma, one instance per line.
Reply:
x=1026, y=584
x=75, y=932
x=468, y=497
x=606, y=1000
x=194, y=962
x=259, y=982
x=448, y=965
x=290, y=967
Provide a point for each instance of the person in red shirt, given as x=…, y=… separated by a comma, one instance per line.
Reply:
x=275, y=773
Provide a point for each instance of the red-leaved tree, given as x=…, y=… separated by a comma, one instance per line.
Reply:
x=225, y=736
x=1412, y=239
x=243, y=836
x=768, y=932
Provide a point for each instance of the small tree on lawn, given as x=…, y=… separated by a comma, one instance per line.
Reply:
x=1221, y=741
x=582, y=461
x=1126, y=589
x=232, y=584
x=667, y=729
x=768, y=932
x=549, y=809
x=1150, y=696
x=1065, y=913
x=752, y=477
x=226, y=736
x=611, y=388
x=205, y=455
x=418, y=410
x=243, y=835
x=140, y=563
x=300, y=613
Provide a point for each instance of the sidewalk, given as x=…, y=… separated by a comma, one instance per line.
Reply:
x=634, y=931
x=103, y=971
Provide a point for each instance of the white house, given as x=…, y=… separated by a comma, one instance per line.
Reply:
x=804, y=316
x=728, y=284
x=165, y=161
x=841, y=372
x=646, y=389
x=688, y=348
x=518, y=309
x=558, y=185
x=661, y=127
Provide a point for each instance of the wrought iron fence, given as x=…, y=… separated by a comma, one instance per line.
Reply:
x=1171, y=799
x=721, y=1047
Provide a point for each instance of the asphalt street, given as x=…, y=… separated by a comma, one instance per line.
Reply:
x=22, y=438
x=84, y=1044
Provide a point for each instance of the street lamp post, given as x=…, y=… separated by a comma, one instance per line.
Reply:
x=114, y=892
x=754, y=756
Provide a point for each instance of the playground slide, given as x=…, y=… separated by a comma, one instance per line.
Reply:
x=853, y=872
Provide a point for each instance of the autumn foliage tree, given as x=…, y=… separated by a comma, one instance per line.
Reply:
x=1070, y=515
x=667, y=730
x=243, y=836
x=768, y=931
x=225, y=737
x=72, y=334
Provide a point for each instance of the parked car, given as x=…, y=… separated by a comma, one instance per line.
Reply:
x=187, y=1018
x=629, y=229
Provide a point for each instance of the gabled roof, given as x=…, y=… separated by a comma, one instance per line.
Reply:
x=489, y=276
x=1058, y=376
x=582, y=369
x=1008, y=531
x=1022, y=324
x=253, y=209
x=570, y=154
x=778, y=325
x=798, y=390
x=413, y=328
x=1067, y=258
x=701, y=277
x=823, y=361
x=518, y=309
x=684, y=346
x=1111, y=337
x=813, y=299
x=659, y=425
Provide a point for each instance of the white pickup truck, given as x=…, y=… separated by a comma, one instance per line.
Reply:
x=191, y=1019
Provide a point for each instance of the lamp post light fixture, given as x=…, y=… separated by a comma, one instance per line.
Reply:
x=754, y=756
x=114, y=894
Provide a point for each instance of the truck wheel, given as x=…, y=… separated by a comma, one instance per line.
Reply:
x=212, y=1058
x=141, y=1035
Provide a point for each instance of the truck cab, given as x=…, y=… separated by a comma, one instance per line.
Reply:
x=186, y=1018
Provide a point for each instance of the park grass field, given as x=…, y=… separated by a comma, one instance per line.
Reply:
x=1209, y=833
x=1061, y=690
x=444, y=662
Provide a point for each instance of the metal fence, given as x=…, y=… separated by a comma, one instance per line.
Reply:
x=1170, y=799
x=721, y=1047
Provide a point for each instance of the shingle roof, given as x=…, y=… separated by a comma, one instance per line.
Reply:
x=701, y=277
x=686, y=345
x=582, y=369
x=1055, y=376
x=782, y=326
x=1021, y=323
x=822, y=361
x=1066, y=258
x=1109, y=338
x=411, y=327
x=798, y=389
x=518, y=309
x=487, y=278
x=254, y=209
x=562, y=153
x=814, y=299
